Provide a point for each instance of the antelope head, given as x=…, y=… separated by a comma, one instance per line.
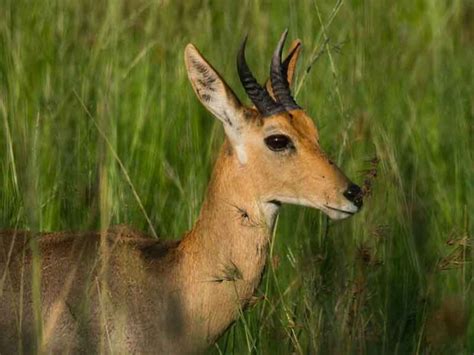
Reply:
x=276, y=143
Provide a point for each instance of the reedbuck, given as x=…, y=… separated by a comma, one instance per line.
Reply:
x=121, y=291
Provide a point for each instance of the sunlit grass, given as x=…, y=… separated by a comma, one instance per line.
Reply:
x=391, y=80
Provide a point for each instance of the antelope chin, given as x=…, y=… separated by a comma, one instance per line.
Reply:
x=340, y=213
x=335, y=213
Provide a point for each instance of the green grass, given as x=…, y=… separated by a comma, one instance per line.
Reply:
x=392, y=80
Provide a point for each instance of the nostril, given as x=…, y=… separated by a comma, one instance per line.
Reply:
x=354, y=194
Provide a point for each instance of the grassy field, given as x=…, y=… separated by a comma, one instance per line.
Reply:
x=99, y=125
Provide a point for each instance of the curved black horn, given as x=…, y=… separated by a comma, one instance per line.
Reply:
x=280, y=86
x=286, y=63
x=259, y=95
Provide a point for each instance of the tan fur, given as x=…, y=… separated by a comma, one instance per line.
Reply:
x=121, y=291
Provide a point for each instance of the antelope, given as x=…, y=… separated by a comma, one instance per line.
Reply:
x=120, y=290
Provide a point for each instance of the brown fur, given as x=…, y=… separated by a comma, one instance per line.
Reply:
x=121, y=291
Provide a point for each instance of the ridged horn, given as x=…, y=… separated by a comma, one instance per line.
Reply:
x=280, y=86
x=286, y=63
x=258, y=94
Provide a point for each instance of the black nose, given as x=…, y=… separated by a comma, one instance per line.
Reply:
x=354, y=194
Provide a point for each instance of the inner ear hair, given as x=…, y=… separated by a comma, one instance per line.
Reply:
x=210, y=88
x=217, y=97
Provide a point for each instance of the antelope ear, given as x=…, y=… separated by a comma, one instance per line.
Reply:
x=215, y=94
x=289, y=64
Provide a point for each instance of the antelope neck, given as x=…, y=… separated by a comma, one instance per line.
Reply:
x=234, y=228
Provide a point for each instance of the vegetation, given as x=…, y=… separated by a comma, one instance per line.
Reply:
x=100, y=126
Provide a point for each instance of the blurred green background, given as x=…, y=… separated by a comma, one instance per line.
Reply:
x=96, y=110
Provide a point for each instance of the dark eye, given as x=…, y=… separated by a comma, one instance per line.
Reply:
x=278, y=142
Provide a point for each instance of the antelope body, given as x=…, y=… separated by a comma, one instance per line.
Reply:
x=121, y=291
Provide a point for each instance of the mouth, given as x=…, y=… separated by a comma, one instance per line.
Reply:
x=339, y=210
